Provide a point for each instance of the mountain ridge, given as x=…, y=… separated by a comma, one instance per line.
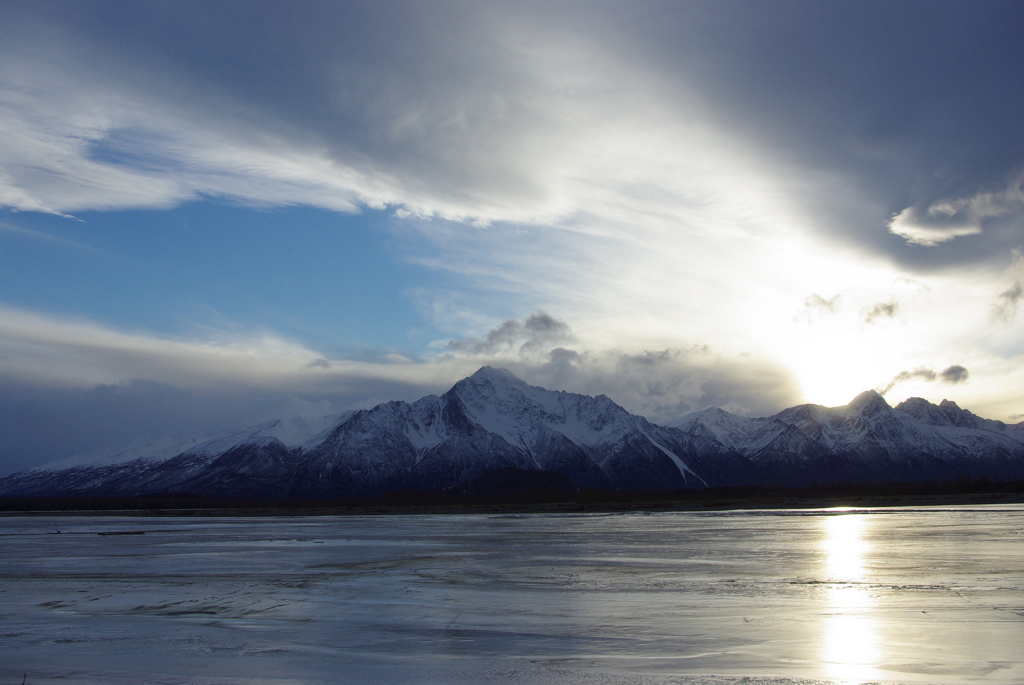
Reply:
x=494, y=422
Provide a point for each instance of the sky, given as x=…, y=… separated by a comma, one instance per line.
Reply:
x=213, y=214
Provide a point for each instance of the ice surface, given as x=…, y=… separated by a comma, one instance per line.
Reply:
x=930, y=595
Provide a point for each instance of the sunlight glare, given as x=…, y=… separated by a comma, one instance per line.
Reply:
x=850, y=644
x=844, y=547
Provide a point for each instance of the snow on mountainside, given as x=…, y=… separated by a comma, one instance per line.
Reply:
x=157, y=450
x=493, y=422
x=728, y=429
x=522, y=414
x=869, y=440
x=501, y=403
x=947, y=413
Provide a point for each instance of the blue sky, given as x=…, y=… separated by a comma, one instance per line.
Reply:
x=335, y=281
x=216, y=213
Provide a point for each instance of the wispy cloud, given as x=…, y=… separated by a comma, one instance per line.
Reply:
x=816, y=306
x=13, y=229
x=1007, y=302
x=879, y=310
x=951, y=375
x=946, y=219
x=538, y=334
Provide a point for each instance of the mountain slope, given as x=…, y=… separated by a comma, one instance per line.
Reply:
x=489, y=421
x=867, y=440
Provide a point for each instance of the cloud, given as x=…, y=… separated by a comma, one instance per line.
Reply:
x=817, y=302
x=437, y=114
x=816, y=306
x=1007, y=302
x=937, y=224
x=43, y=423
x=954, y=374
x=67, y=386
x=879, y=310
x=654, y=164
x=561, y=357
x=473, y=126
x=951, y=375
x=538, y=114
x=947, y=219
x=537, y=335
x=665, y=385
x=921, y=373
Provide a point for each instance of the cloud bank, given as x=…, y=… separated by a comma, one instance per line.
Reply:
x=482, y=112
x=537, y=335
x=663, y=385
x=73, y=386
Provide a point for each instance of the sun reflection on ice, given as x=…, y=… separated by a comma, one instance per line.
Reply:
x=850, y=645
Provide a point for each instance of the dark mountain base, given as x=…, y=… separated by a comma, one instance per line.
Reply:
x=530, y=491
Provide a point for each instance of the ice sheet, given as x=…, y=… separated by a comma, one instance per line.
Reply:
x=889, y=595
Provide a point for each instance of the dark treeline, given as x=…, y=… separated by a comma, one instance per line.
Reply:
x=529, y=494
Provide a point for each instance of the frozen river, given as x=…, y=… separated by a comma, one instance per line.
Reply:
x=891, y=595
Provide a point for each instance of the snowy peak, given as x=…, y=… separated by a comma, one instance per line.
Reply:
x=488, y=375
x=727, y=428
x=497, y=388
x=868, y=403
x=299, y=431
x=502, y=403
x=947, y=413
x=963, y=418
x=924, y=411
x=500, y=386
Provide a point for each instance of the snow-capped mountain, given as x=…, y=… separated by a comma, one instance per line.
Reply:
x=493, y=422
x=157, y=466
x=867, y=440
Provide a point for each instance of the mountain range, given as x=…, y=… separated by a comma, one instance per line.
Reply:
x=493, y=423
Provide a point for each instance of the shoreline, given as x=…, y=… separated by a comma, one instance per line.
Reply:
x=766, y=501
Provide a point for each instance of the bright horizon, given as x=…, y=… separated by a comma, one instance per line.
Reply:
x=211, y=215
